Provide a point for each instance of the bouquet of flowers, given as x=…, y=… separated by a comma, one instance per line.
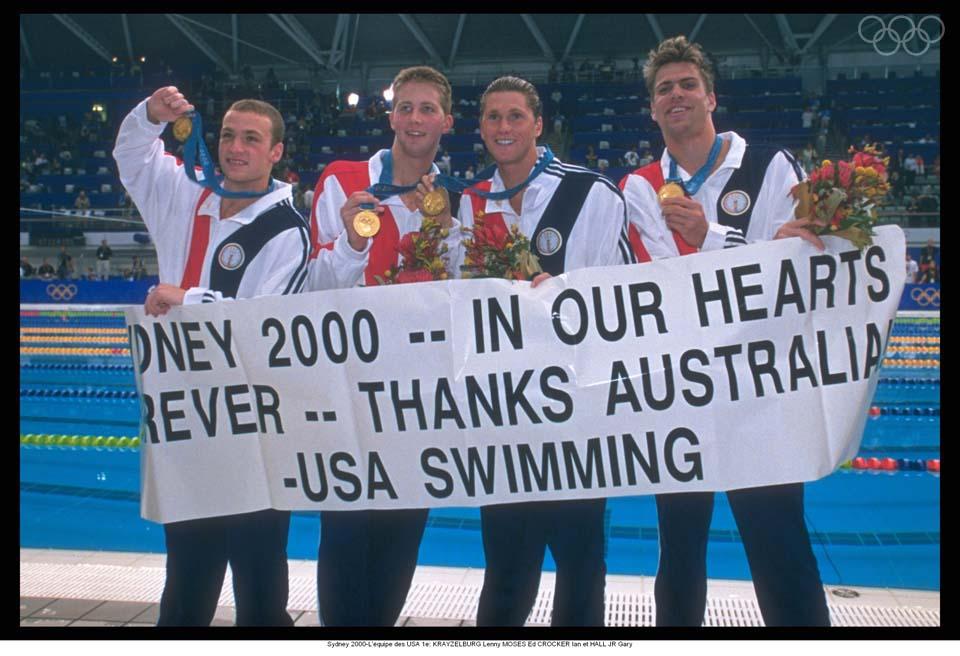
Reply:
x=842, y=198
x=492, y=251
x=422, y=256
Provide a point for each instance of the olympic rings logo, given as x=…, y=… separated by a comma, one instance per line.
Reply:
x=61, y=292
x=875, y=31
x=926, y=297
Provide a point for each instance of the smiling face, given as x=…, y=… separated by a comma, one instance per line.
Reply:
x=247, y=154
x=509, y=128
x=680, y=103
x=418, y=119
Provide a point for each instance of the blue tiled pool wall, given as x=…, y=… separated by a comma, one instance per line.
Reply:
x=868, y=527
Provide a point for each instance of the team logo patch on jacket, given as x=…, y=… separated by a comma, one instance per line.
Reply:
x=735, y=202
x=231, y=256
x=549, y=241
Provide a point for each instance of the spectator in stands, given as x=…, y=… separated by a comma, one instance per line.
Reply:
x=936, y=167
x=921, y=166
x=46, y=271
x=807, y=118
x=821, y=146
x=928, y=255
x=558, y=121
x=308, y=199
x=91, y=274
x=40, y=162
x=931, y=276
x=26, y=269
x=137, y=270
x=444, y=163
x=910, y=169
x=897, y=186
x=290, y=176
x=808, y=157
x=469, y=174
x=591, y=158
x=104, y=253
x=65, y=264
x=912, y=269
x=299, y=202
x=631, y=158
x=647, y=157
x=897, y=161
x=82, y=201
x=770, y=518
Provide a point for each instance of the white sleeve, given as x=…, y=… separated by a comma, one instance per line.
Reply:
x=775, y=204
x=720, y=236
x=454, y=242
x=156, y=183
x=599, y=237
x=337, y=266
x=643, y=212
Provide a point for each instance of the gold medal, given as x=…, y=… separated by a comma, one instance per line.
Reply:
x=366, y=223
x=670, y=190
x=434, y=203
x=182, y=128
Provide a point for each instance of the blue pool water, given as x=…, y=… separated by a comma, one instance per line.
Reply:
x=869, y=528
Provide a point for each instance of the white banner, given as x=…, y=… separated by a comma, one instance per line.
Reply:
x=750, y=366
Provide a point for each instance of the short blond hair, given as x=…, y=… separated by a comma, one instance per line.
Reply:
x=430, y=76
x=677, y=50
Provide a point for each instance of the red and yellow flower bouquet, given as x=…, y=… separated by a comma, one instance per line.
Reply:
x=842, y=198
x=493, y=251
x=422, y=256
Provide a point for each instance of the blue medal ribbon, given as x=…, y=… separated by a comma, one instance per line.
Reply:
x=384, y=188
x=194, y=148
x=692, y=186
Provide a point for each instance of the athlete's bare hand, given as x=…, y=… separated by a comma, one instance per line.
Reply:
x=686, y=217
x=166, y=105
x=802, y=228
x=163, y=297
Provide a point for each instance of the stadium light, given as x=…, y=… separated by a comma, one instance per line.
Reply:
x=353, y=99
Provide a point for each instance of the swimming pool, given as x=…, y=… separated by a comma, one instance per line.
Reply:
x=870, y=527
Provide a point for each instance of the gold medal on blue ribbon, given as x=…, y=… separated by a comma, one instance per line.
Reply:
x=670, y=190
x=182, y=128
x=366, y=223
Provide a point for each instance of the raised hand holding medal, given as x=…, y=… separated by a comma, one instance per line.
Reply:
x=434, y=202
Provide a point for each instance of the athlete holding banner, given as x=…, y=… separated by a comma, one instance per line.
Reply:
x=574, y=218
x=238, y=236
x=736, y=193
x=366, y=558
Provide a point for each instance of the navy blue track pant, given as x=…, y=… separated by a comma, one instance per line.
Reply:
x=515, y=538
x=255, y=545
x=771, y=524
x=365, y=564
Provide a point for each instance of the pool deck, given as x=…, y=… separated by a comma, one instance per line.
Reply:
x=103, y=588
